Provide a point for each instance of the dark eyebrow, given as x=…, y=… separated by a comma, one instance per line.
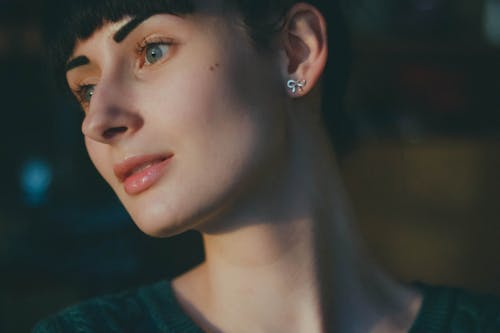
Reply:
x=75, y=62
x=128, y=27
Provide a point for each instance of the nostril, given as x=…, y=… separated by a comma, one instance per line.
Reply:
x=112, y=132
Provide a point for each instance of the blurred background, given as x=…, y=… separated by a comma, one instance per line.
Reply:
x=423, y=178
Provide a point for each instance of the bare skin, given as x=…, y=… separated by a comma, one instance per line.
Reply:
x=295, y=263
x=251, y=168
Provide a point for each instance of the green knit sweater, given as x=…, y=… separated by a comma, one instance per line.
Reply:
x=154, y=309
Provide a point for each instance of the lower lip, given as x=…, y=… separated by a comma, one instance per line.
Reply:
x=144, y=179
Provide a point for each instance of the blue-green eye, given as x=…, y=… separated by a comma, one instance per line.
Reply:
x=155, y=52
x=88, y=92
x=85, y=93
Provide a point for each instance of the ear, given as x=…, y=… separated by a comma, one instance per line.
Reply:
x=305, y=44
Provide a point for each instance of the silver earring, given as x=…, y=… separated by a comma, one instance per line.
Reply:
x=296, y=85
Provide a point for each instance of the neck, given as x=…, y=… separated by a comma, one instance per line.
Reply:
x=293, y=262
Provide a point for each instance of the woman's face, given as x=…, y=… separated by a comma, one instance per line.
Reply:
x=182, y=116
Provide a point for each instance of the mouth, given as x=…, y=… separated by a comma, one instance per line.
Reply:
x=139, y=173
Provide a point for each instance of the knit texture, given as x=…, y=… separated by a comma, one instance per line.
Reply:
x=150, y=309
x=154, y=309
x=452, y=310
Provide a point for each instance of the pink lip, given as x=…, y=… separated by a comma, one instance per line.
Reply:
x=141, y=172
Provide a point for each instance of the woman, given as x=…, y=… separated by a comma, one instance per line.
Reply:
x=215, y=115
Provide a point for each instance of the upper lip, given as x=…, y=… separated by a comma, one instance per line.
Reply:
x=127, y=167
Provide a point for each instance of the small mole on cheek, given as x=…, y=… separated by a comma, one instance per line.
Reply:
x=213, y=67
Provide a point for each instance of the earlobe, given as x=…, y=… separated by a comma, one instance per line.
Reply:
x=306, y=49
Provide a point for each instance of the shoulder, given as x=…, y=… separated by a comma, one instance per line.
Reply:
x=455, y=310
x=150, y=308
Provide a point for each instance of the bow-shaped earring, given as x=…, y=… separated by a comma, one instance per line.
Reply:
x=296, y=85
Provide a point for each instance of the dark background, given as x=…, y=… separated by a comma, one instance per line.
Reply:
x=425, y=104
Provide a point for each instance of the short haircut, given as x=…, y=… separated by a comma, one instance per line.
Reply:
x=72, y=20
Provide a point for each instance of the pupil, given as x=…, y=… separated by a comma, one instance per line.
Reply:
x=90, y=93
x=154, y=53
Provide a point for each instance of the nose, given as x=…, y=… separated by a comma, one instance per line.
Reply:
x=111, y=117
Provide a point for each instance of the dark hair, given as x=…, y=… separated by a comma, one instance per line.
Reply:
x=71, y=20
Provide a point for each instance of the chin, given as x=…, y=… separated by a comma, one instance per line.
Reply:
x=159, y=222
x=163, y=230
x=162, y=220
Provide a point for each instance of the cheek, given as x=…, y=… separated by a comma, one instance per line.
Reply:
x=218, y=135
x=198, y=101
x=206, y=116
